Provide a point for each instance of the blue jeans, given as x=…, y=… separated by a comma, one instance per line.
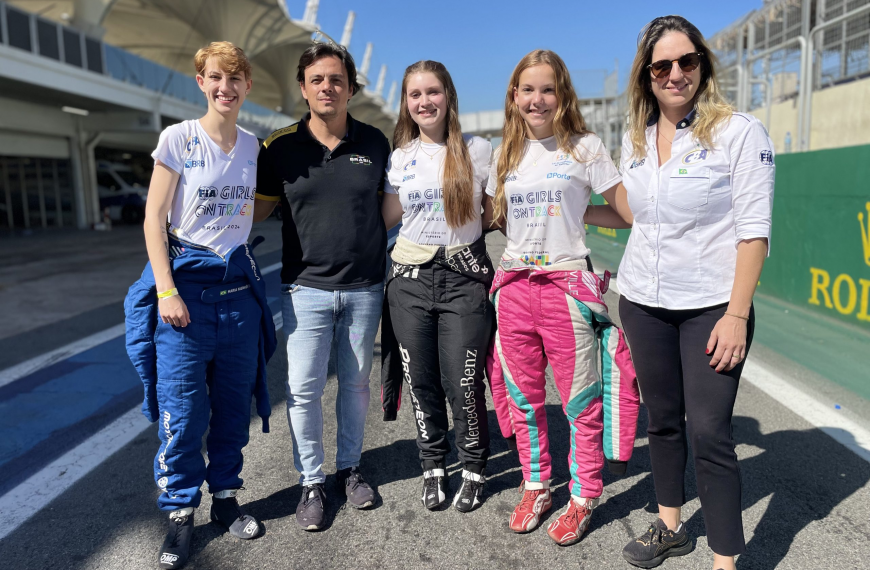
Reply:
x=313, y=319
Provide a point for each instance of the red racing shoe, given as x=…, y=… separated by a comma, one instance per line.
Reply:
x=570, y=526
x=527, y=514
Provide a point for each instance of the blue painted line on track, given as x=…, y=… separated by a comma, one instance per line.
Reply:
x=67, y=393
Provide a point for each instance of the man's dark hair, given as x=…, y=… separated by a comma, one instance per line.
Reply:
x=328, y=49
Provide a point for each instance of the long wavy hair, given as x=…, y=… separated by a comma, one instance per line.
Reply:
x=711, y=108
x=567, y=122
x=457, y=179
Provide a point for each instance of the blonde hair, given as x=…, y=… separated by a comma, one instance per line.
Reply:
x=231, y=59
x=457, y=179
x=711, y=108
x=567, y=122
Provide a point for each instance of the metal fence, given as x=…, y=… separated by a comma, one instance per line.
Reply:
x=766, y=56
x=844, y=47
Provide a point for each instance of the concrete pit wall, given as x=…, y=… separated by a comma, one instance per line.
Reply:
x=840, y=117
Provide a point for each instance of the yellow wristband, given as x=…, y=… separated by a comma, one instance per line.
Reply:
x=166, y=294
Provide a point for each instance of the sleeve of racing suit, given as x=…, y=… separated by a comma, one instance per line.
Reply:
x=391, y=367
x=140, y=316
x=499, y=390
x=621, y=399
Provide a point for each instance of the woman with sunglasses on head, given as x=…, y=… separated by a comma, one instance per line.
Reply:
x=699, y=180
x=437, y=317
x=198, y=328
x=549, y=303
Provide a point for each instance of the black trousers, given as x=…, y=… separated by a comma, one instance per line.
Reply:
x=442, y=321
x=685, y=396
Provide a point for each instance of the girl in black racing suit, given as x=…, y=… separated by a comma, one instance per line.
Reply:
x=436, y=296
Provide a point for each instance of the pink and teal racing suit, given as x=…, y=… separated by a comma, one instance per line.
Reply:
x=560, y=317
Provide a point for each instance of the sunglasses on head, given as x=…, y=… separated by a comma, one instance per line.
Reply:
x=688, y=63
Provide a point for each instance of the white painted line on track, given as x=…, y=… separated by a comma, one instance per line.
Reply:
x=21, y=370
x=853, y=436
x=843, y=430
x=27, y=367
x=270, y=268
x=31, y=496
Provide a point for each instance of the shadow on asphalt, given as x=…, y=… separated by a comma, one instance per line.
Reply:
x=805, y=474
x=813, y=474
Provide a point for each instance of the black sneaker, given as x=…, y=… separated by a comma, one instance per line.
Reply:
x=309, y=511
x=176, y=547
x=468, y=497
x=225, y=510
x=657, y=543
x=360, y=495
x=434, y=488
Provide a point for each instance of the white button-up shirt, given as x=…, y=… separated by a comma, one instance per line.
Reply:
x=692, y=211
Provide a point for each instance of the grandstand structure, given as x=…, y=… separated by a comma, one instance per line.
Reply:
x=83, y=74
x=803, y=68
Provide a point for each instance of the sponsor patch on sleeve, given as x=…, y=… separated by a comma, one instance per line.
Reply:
x=766, y=157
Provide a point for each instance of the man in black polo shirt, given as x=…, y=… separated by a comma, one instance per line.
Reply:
x=328, y=171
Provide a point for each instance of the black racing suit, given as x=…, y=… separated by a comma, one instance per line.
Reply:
x=442, y=320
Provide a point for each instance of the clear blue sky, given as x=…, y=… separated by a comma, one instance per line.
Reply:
x=480, y=41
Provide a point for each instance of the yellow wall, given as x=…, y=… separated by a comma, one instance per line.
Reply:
x=841, y=117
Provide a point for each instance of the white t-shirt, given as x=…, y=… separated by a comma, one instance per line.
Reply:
x=414, y=173
x=547, y=197
x=214, y=200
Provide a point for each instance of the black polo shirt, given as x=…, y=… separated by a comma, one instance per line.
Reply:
x=333, y=234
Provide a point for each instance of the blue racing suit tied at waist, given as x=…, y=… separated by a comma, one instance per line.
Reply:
x=200, y=275
x=235, y=290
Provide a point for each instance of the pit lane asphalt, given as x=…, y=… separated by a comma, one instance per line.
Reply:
x=805, y=500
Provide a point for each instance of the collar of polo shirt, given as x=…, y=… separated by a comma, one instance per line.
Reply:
x=306, y=132
x=685, y=123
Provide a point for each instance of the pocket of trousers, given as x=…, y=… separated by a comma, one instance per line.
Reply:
x=289, y=289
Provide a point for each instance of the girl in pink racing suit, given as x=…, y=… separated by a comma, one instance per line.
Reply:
x=549, y=303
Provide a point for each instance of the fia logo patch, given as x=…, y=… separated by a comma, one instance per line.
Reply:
x=191, y=142
x=766, y=157
x=696, y=155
